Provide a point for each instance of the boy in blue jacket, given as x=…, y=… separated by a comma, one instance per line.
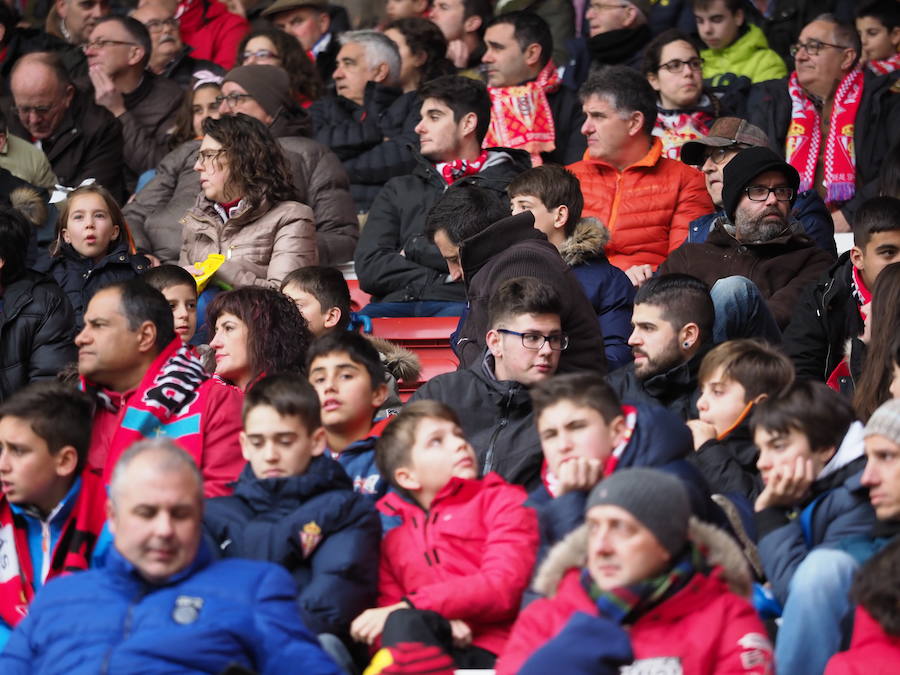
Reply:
x=811, y=458
x=349, y=377
x=295, y=506
x=553, y=195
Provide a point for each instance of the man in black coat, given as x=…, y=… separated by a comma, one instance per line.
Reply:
x=36, y=320
x=395, y=262
x=485, y=249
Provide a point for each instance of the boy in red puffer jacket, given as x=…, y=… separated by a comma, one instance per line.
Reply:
x=453, y=573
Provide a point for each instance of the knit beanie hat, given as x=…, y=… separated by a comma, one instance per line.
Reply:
x=656, y=499
x=885, y=421
x=746, y=166
x=269, y=85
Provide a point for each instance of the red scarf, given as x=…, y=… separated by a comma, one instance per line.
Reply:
x=71, y=554
x=885, y=66
x=675, y=129
x=170, y=386
x=804, y=138
x=521, y=115
x=459, y=168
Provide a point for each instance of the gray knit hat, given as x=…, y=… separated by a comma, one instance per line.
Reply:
x=656, y=499
x=885, y=421
x=269, y=85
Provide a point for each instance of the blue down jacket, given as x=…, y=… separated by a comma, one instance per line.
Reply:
x=202, y=619
x=314, y=525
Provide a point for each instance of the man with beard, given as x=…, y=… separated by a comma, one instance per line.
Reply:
x=756, y=262
x=672, y=330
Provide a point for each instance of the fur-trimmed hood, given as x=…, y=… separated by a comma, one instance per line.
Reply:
x=587, y=241
x=403, y=364
x=719, y=548
x=29, y=203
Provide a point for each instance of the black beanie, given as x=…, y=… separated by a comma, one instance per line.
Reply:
x=269, y=85
x=747, y=165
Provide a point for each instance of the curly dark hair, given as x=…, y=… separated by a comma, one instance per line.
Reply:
x=184, y=118
x=259, y=170
x=424, y=37
x=277, y=334
x=305, y=79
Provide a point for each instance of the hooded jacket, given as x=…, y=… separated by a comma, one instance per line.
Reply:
x=36, y=332
x=260, y=247
x=513, y=247
x=610, y=292
x=780, y=267
x=496, y=418
x=872, y=650
x=201, y=620
x=826, y=315
x=646, y=207
x=154, y=214
x=706, y=628
x=81, y=277
x=749, y=56
x=315, y=526
x=395, y=262
x=876, y=129
x=372, y=140
x=837, y=508
x=468, y=557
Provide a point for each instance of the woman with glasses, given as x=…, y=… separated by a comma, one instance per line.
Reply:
x=673, y=67
x=247, y=209
x=272, y=47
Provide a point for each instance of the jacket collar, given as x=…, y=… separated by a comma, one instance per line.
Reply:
x=649, y=160
x=322, y=475
x=475, y=251
x=120, y=567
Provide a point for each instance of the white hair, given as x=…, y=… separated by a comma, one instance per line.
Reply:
x=379, y=49
x=170, y=458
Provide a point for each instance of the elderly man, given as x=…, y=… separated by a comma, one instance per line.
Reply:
x=756, y=264
x=163, y=599
x=711, y=154
x=145, y=104
x=834, y=122
x=81, y=140
x=171, y=58
x=146, y=383
x=369, y=123
x=632, y=583
x=643, y=198
x=531, y=109
x=309, y=22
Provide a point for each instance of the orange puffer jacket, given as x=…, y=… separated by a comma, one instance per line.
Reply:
x=646, y=207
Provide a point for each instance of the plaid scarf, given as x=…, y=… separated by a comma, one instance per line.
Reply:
x=885, y=66
x=521, y=115
x=72, y=552
x=804, y=138
x=627, y=604
x=460, y=168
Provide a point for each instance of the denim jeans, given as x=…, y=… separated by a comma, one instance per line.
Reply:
x=817, y=614
x=741, y=312
x=418, y=308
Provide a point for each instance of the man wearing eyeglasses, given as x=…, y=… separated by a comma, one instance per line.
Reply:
x=711, y=153
x=118, y=52
x=170, y=57
x=835, y=122
x=491, y=398
x=756, y=263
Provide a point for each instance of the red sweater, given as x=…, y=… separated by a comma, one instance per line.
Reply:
x=469, y=557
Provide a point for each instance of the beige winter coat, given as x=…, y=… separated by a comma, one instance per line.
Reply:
x=260, y=250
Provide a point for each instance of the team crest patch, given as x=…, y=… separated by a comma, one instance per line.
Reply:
x=187, y=609
x=310, y=536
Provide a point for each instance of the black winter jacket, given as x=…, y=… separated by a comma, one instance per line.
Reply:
x=316, y=526
x=824, y=318
x=496, y=417
x=876, y=130
x=396, y=224
x=370, y=140
x=513, y=247
x=37, y=329
x=729, y=464
x=81, y=277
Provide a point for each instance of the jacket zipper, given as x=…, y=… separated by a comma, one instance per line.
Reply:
x=126, y=628
x=501, y=424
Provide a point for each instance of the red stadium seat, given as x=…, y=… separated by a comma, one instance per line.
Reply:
x=358, y=297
